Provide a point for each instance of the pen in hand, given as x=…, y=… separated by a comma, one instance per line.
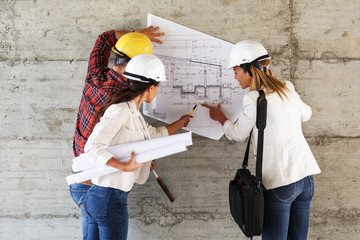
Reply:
x=193, y=109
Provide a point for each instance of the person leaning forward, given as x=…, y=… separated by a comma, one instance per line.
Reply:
x=102, y=81
x=288, y=164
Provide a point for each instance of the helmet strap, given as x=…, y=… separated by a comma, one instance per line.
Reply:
x=140, y=78
x=121, y=60
x=246, y=67
x=256, y=63
x=259, y=66
x=121, y=57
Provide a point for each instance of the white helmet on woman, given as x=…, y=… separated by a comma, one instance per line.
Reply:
x=146, y=68
x=248, y=52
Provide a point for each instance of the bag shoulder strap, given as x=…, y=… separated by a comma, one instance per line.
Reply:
x=261, y=108
x=246, y=157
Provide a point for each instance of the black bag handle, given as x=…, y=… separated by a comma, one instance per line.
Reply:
x=261, y=108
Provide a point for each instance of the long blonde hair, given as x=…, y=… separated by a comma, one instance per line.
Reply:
x=261, y=80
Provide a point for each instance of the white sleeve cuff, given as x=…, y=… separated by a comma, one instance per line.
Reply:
x=163, y=131
x=226, y=126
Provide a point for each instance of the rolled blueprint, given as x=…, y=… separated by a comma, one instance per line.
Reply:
x=145, y=151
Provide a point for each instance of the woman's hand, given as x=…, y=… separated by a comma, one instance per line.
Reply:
x=182, y=122
x=153, y=164
x=151, y=33
x=216, y=113
x=132, y=164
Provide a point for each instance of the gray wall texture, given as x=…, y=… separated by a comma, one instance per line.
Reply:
x=44, y=49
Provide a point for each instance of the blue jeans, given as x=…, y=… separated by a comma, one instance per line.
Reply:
x=108, y=208
x=78, y=192
x=286, y=211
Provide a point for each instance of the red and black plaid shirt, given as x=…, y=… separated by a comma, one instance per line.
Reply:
x=100, y=82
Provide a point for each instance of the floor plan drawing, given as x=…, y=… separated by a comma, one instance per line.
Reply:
x=195, y=66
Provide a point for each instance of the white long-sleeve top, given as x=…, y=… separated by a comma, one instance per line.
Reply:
x=287, y=157
x=121, y=123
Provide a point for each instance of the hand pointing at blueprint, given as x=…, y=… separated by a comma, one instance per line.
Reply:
x=195, y=67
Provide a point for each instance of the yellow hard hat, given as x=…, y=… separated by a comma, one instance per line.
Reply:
x=132, y=44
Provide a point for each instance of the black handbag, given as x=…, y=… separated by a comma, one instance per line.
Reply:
x=246, y=190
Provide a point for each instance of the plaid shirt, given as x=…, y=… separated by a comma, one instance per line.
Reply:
x=100, y=82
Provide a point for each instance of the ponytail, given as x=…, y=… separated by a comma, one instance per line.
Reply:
x=261, y=80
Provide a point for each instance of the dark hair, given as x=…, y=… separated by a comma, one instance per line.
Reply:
x=246, y=68
x=131, y=91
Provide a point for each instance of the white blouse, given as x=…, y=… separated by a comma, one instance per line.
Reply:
x=121, y=123
x=287, y=157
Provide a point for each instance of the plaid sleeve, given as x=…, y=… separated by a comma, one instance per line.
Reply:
x=99, y=57
x=100, y=82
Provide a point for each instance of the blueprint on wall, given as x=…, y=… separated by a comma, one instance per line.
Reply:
x=195, y=68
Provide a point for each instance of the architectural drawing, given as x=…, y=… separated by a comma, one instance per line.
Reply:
x=196, y=71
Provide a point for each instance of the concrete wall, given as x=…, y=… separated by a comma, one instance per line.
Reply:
x=44, y=48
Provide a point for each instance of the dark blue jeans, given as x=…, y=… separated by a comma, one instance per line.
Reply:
x=108, y=208
x=78, y=192
x=286, y=211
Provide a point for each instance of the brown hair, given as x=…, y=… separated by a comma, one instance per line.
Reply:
x=261, y=80
x=130, y=92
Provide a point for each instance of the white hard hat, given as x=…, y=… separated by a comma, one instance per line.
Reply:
x=146, y=68
x=247, y=51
